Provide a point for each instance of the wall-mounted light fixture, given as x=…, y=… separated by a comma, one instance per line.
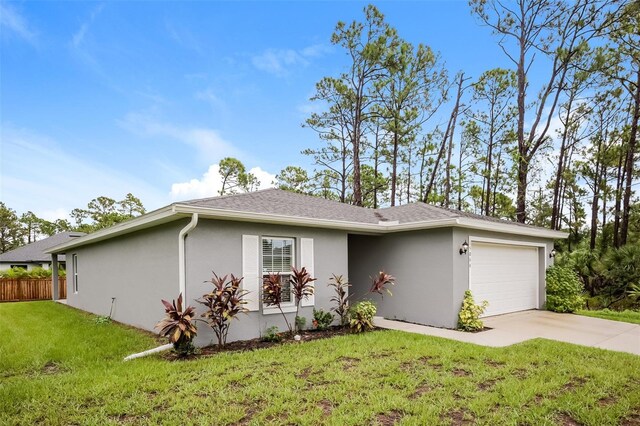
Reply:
x=464, y=247
x=552, y=254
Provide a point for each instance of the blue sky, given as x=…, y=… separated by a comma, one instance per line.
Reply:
x=144, y=97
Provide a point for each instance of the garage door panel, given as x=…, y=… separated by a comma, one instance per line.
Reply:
x=504, y=275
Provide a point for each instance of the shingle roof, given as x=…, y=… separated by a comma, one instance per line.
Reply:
x=34, y=252
x=287, y=203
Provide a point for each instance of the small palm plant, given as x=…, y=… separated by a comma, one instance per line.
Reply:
x=380, y=282
x=341, y=298
x=272, y=294
x=223, y=304
x=178, y=326
x=302, y=288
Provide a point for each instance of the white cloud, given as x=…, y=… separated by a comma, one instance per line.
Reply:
x=280, y=61
x=266, y=179
x=210, y=183
x=309, y=108
x=14, y=22
x=55, y=214
x=79, y=35
x=183, y=37
x=38, y=175
x=316, y=50
x=210, y=145
x=210, y=97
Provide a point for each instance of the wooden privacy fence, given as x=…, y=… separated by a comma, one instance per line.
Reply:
x=16, y=289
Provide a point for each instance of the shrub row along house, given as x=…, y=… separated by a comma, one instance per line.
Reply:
x=435, y=254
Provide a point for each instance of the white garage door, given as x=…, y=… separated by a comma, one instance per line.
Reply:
x=504, y=275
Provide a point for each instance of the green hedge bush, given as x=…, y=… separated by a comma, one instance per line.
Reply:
x=36, y=272
x=564, y=290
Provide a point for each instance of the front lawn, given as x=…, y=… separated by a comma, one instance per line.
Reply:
x=58, y=367
x=625, y=316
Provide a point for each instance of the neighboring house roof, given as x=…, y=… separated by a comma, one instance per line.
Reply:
x=35, y=251
x=290, y=208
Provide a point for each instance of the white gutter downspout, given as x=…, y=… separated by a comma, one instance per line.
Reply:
x=182, y=265
x=182, y=279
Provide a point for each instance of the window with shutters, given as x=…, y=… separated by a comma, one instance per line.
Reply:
x=278, y=256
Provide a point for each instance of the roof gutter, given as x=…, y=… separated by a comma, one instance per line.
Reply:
x=374, y=228
x=182, y=259
x=177, y=211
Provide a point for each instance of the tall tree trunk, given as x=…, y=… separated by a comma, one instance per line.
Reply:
x=394, y=168
x=595, y=199
x=522, y=160
x=409, y=159
x=376, y=165
x=604, y=208
x=628, y=168
x=459, y=206
x=521, y=195
x=454, y=117
x=495, y=184
x=555, y=211
x=487, y=195
x=618, y=201
x=355, y=141
x=434, y=172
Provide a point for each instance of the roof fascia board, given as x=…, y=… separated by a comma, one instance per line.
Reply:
x=507, y=228
x=237, y=215
x=176, y=211
x=141, y=222
x=374, y=228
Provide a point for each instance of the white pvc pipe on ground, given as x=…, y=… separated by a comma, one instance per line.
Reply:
x=150, y=352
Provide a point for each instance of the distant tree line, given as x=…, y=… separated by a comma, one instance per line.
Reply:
x=101, y=212
x=562, y=155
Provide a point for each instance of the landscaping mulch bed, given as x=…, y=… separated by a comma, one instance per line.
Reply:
x=258, y=343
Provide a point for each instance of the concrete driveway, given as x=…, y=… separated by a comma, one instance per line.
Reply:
x=520, y=326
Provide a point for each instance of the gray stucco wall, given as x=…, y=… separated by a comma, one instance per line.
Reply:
x=421, y=261
x=432, y=275
x=217, y=246
x=142, y=268
x=137, y=269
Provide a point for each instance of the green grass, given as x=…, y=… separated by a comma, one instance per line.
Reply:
x=58, y=367
x=624, y=316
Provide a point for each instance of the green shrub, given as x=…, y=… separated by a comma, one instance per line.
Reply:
x=103, y=319
x=301, y=322
x=589, y=267
x=622, y=267
x=469, y=316
x=564, y=290
x=36, y=272
x=361, y=316
x=271, y=334
x=322, y=320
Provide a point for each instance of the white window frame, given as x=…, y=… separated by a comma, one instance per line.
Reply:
x=287, y=307
x=74, y=262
